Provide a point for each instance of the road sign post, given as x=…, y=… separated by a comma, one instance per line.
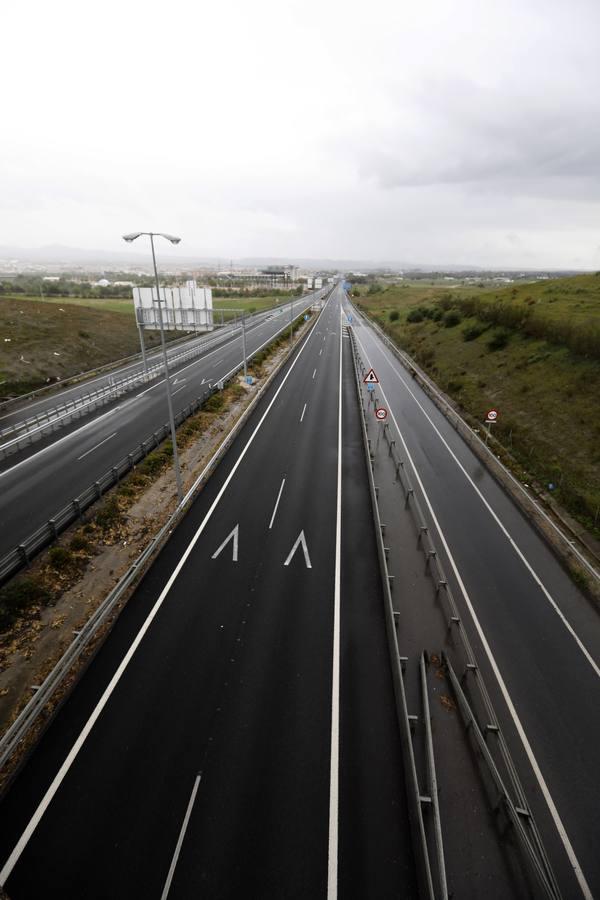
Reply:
x=490, y=419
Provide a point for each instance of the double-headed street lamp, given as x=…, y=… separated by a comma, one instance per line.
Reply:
x=174, y=240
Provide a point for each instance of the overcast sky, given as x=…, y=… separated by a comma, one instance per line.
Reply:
x=437, y=131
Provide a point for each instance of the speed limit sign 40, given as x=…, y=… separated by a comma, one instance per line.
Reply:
x=381, y=413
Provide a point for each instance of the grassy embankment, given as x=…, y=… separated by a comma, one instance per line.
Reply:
x=532, y=351
x=43, y=341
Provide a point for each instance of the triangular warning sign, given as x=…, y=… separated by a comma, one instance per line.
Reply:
x=371, y=377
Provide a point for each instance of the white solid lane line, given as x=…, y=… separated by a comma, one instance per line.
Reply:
x=577, y=870
x=588, y=656
x=276, y=505
x=83, y=735
x=87, y=452
x=183, y=386
x=334, y=774
x=303, y=411
x=179, y=844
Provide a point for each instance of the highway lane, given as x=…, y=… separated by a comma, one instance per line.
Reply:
x=228, y=759
x=42, y=482
x=537, y=638
x=71, y=394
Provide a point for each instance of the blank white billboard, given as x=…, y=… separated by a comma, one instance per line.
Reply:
x=187, y=308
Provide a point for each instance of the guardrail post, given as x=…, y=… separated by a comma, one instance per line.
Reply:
x=52, y=527
x=98, y=489
x=77, y=507
x=22, y=550
x=115, y=472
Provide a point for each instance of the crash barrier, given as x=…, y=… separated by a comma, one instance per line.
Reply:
x=17, y=436
x=38, y=708
x=18, y=558
x=561, y=544
x=510, y=804
x=431, y=872
x=84, y=376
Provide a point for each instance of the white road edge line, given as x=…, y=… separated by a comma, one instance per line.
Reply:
x=82, y=737
x=577, y=870
x=334, y=774
x=303, y=411
x=60, y=440
x=276, y=505
x=87, y=452
x=178, y=846
x=507, y=534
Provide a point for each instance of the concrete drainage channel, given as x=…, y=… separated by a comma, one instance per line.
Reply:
x=38, y=713
x=455, y=665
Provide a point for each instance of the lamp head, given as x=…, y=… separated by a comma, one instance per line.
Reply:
x=171, y=237
x=131, y=237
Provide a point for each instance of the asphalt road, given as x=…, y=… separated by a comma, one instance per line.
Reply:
x=17, y=414
x=48, y=474
x=236, y=735
x=536, y=636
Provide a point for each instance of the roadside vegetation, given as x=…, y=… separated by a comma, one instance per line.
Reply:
x=531, y=351
x=45, y=341
x=23, y=599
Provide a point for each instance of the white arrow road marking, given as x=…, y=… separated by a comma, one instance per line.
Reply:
x=235, y=534
x=299, y=540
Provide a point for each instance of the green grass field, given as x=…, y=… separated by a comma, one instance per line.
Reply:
x=42, y=341
x=532, y=351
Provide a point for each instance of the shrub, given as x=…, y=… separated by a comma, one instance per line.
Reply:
x=153, y=464
x=109, y=514
x=80, y=542
x=415, y=315
x=394, y=315
x=20, y=595
x=471, y=332
x=214, y=403
x=451, y=318
x=499, y=339
x=60, y=558
x=436, y=314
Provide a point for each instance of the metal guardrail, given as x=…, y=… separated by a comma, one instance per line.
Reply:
x=416, y=798
x=83, y=376
x=37, y=705
x=26, y=431
x=471, y=678
x=46, y=534
x=521, y=496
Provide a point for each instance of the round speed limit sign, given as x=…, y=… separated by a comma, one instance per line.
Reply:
x=492, y=415
x=381, y=413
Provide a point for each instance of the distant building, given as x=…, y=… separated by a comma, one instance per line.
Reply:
x=104, y=282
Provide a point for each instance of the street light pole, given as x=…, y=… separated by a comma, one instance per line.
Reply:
x=174, y=240
x=244, y=345
x=292, y=323
x=167, y=379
